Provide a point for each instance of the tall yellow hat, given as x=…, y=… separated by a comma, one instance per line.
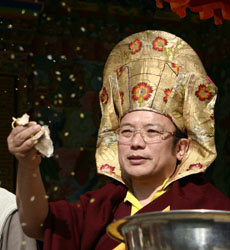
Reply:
x=158, y=71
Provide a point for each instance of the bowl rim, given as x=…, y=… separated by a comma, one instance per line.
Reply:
x=114, y=228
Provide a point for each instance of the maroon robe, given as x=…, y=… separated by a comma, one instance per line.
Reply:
x=82, y=225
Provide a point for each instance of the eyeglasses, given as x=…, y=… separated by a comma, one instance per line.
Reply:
x=149, y=135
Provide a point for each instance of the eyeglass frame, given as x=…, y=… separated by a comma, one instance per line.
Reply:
x=142, y=136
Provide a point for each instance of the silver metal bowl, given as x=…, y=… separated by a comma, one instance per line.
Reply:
x=174, y=230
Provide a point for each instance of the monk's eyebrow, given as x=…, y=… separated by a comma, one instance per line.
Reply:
x=155, y=125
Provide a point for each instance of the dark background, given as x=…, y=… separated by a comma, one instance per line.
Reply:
x=52, y=56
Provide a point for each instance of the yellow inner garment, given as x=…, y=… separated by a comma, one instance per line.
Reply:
x=136, y=205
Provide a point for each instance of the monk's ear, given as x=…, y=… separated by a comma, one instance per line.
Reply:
x=182, y=147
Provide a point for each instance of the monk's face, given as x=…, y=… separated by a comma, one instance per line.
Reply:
x=146, y=157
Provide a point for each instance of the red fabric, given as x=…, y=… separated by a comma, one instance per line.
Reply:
x=219, y=9
x=82, y=225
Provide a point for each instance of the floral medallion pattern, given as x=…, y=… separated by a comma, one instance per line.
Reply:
x=119, y=71
x=104, y=96
x=167, y=94
x=203, y=93
x=135, y=46
x=107, y=168
x=141, y=92
x=175, y=68
x=159, y=43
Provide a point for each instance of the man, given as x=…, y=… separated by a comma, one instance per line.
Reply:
x=11, y=234
x=156, y=138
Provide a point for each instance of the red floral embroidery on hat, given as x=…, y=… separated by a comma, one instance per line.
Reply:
x=175, y=68
x=159, y=43
x=212, y=117
x=203, y=93
x=195, y=166
x=167, y=94
x=135, y=46
x=119, y=71
x=122, y=97
x=107, y=168
x=104, y=96
x=141, y=92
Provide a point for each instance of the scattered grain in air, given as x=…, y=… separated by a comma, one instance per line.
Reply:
x=23, y=243
x=42, y=97
x=58, y=73
x=34, y=175
x=10, y=26
x=5, y=91
x=78, y=48
x=49, y=57
x=82, y=115
x=21, y=48
x=56, y=156
x=66, y=134
x=80, y=87
x=36, y=103
x=73, y=95
x=46, y=197
x=12, y=56
x=25, y=86
x=16, y=89
x=72, y=173
x=56, y=188
x=35, y=14
x=31, y=54
x=83, y=29
x=60, y=101
x=41, y=225
x=63, y=57
x=41, y=122
x=68, y=9
x=78, y=205
x=81, y=149
x=35, y=72
x=23, y=224
x=63, y=4
x=59, y=79
x=48, y=18
x=92, y=200
x=32, y=198
x=23, y=12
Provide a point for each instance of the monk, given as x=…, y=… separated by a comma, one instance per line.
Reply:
x=155, y=140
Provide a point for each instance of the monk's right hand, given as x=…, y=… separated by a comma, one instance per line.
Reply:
x=21, y=145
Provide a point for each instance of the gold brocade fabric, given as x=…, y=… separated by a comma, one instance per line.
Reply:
x=157, y=71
